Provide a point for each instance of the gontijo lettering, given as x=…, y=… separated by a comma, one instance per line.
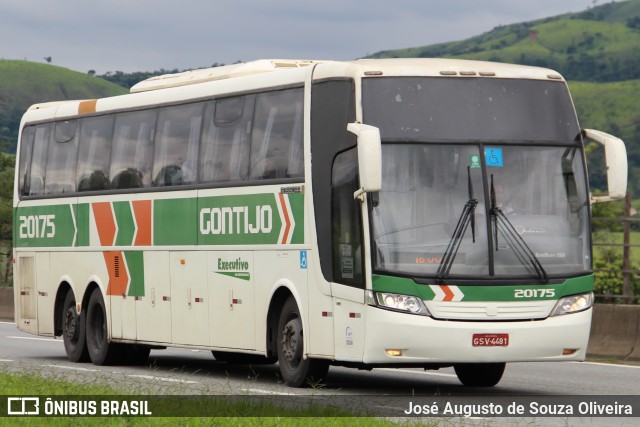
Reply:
x=236, y=220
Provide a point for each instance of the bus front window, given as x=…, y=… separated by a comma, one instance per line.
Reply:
x=539, y=191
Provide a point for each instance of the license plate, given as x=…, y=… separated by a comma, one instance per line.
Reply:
x=490, y=340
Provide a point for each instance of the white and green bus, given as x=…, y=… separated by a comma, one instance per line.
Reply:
x=400, y=213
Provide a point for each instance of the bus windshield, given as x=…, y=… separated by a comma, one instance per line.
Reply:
x=505, y=207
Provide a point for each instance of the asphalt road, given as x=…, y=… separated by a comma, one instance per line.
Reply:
x=184, y=371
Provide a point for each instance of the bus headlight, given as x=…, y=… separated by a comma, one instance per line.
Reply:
x=573, y=304
x=405, y=303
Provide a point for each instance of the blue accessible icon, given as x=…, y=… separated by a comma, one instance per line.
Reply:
x=493, y=156
x=303, y=260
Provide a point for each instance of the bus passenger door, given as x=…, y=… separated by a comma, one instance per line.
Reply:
x=231, y=284
x=189, y=298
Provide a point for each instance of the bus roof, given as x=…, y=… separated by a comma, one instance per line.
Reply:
x=398, y=66
x=217, y=73
x=254, y=75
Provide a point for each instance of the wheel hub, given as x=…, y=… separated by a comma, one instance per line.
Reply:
x=71, y=324
x=292, y=341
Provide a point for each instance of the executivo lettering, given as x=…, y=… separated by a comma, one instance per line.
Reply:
x=237, y=268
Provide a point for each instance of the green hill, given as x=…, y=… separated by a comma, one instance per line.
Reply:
x=600, y=44
x=24, y=83
x=597, y=51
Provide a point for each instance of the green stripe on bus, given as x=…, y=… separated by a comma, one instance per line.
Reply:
x=135, y=266
x=125, y=222
x=487, y=292
x=175, y=222
x=45, y=226
x=297, y=206
x=82, y=223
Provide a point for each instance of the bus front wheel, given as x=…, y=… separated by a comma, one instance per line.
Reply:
x=73, y=330
x=295, y=369
x=479, y=374
x=101, y=351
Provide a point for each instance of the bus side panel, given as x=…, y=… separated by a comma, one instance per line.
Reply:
x=289, y=268
x=46, y=294
x=25, y=293
x=232, y=279
x=153, y=309
x=189, y=298
x=275, y=269
x=350, y=326
x=321, y=312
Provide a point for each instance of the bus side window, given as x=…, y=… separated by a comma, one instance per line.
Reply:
x=36, y=177
x=346, y=221
x=94, y=153
x=176, y=145
x=132, y=151
x=276, y=142
x=61, y=164
x=26, y=150
x=224, y=152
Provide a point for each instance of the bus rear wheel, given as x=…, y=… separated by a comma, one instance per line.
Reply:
x=479, y=374
x=73, y=330
x=295, y=369
x=101, y=351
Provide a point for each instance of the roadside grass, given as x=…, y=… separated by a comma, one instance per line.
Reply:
x=19, y=384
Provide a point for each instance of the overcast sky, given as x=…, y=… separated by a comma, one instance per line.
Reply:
x=147, y=35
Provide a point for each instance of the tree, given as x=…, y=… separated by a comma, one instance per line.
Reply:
x=7, y=165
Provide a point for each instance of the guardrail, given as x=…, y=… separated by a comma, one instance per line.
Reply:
x=615, y=330
x=6, y=304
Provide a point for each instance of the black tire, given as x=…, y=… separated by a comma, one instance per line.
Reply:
x=101, y=351
x=479, y=374
x=73, y=330
x=233, y=358
x=295, y=369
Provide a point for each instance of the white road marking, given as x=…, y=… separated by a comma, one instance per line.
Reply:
x=72, y=368
x=34, y=339
x=616, y=365
x=261, y=391
x=169, y=380
x=6, y=360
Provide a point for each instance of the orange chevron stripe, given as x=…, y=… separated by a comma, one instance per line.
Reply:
x=142, y=213
x=105, y=222
x=87, y=107
x=287, y=220
x=448, y=293
x=118, y=275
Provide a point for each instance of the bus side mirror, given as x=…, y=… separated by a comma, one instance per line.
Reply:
x=369, y=157
x=616, y=163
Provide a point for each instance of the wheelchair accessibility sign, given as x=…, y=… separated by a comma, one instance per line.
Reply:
x=493, y=156
x=303, y=260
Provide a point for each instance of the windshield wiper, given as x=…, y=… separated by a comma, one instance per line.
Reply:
x=520, y=248
x=467, y=217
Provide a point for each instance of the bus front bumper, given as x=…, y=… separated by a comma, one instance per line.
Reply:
x=422, y=339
